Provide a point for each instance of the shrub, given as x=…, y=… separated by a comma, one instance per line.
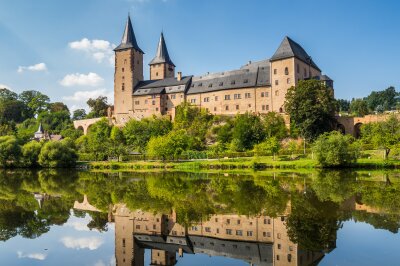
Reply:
x=10, y=151
x=334, y=149
x=30, y=153
x=57, y=154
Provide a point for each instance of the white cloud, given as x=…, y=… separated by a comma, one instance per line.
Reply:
x=77, y=79
x=2, y=86
x=99, y=50
x=91, y=243
x=34, y=68
x=78, y=226
x=80, y=96
x=35, y=256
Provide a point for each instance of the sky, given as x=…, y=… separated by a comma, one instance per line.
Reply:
x=65, y=48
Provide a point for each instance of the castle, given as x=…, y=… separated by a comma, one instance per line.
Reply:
x=257, y=87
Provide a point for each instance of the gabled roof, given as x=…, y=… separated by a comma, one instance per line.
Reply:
x=128, y=39
x=168, y=85
x=289, y=48
x=162, y=55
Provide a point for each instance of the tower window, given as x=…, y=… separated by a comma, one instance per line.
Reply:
x=123, y=69
x=275, y=71
x=237, y=107
x=288, y=81
x=286, y=71
x=276, y=82
x=262, y=94
x=156, y=74
x=227, y=108
x=123, y=86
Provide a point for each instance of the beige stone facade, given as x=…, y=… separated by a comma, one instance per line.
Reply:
x=258, y=87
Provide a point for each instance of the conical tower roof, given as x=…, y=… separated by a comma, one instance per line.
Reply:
x=162, y=55
x=289, y=48
x=40, y=129
x=128, y=39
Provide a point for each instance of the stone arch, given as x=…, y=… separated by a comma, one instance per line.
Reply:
x=88, y=128
x=357, y=130
x=341, y=128
x=80, y=128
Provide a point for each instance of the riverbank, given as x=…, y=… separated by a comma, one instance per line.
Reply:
x=254, y=163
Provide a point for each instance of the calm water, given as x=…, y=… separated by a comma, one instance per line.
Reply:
x=83, y=218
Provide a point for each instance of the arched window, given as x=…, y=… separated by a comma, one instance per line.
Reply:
x=286, y=71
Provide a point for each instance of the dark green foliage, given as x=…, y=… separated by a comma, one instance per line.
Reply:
x=55, y=122
x=274, y=125
x=343, y=105
x=30, y=153
x=57, y=154
x=98, y=107
x=10, y=151
x=311, y=107
x=79, y=114
x=385, y=100
x=359, y=107
x=98, y=139
x=248, y=131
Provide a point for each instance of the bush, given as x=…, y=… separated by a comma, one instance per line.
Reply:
x=270, y=146
x=10, y=151
x=30, y=153
x=169, y=145
x=57, y=154
x=334, y=149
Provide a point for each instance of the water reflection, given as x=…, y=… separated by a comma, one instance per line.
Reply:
x=167, y=218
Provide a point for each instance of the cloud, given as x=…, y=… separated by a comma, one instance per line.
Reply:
x=99, y=50
x=91, y=243
x=2, y=86
x=35, y=256
x=78, y=226
x=77, y=79
x=80, y=96
x=34, y=68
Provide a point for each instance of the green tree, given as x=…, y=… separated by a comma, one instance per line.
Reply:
x=99, y=139
x=138, y=133
x=343, y=105
x=58, y=107
x=79, y=114
x=117, y=147
x=55, y=122
x=359, y=107
x=98, y=107
x=383, y=135
x=36, y=101
x=274, y=125
x=56, y=154
x=169, y=145
x=311, y=107
x=10, y=151
x=383, y=100
x=30, y=153
x=271, y=146
x=248, y=131
x=334, y=149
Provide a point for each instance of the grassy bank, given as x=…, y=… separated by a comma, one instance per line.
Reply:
x=256, y=163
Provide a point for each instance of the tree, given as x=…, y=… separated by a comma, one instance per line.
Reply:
x=30, y=153
x=359, y=107
x=57, y=154
x=36, y=101
x=383, y=100
x=334, y=149
x=79, y=114
x=343, y=105
x=7, y=95
x=98, y=107
x=11, y=111
x=274, y=125
x=55, y=122
x=9, y=151
x=99, y=139
x=248, y=131
x=138, y=133
x=271, y=146
x=58, y=107
x=71, y=133
x=311, y=107
x=384, y=135
x=117, y=138
x=169, y=145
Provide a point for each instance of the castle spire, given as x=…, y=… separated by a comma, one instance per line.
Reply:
x=128, y=39
x=162, y=55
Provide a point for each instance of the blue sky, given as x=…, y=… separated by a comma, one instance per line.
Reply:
x=355, y=42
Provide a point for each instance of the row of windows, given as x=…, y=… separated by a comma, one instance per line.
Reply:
x=286, y=71
x=210, y=85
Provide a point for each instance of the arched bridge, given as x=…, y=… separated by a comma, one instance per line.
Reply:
x=85, y=124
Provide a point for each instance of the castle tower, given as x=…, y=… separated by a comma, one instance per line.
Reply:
x=161, y=66
x=128, y=72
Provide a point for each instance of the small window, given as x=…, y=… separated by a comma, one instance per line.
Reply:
x=288, y=81
x=137, y=102
x=246, y=81
x=157, y=109
x=267, y=107
x=239, y=232
x=262, y=94
x=153, y=102
x=124, y=61
x=279, y=246
x=276, y=93
x=123, y=86
x=227, y=108
x=268, y=234
x=249, y=105
x=247, y=95
x=156, y=74
x=221, y=84
x=208, y=229
x=123, y=69
x=249, y=233
x=305, y=72
x=227, y=97
x=216, y=98
x=228, y=231
x=277, y=257
x=237, y=107
x=200, y=84
x=233, y=82
x=264, y=234
x=206, y=99
x=228, y=221
x=267, y=94
x=275, y=71
x=279, y=235
x=289, y=257
x=193, y=101
x=210, y=85
x=286, y=71
x=215, y=109
x=276, y=82
x=137, y=226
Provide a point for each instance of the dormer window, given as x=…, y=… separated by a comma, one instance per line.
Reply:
x=246, y=81
x=221, y=84
x=233, y=82
x=210, y=85
x=200, y=84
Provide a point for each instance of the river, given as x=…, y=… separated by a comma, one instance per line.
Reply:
x=72, y=217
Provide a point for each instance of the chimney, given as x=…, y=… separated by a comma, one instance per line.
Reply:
x=179, y=78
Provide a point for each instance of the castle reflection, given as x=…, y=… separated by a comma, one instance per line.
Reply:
x=260, y=240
